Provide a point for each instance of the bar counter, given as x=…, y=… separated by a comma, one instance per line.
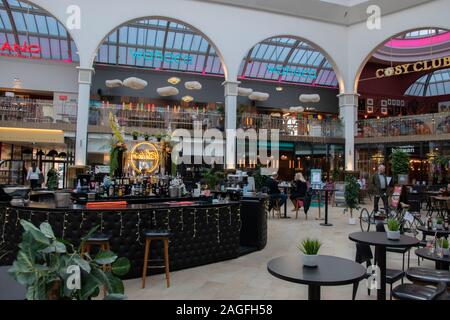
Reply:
x=202, y=233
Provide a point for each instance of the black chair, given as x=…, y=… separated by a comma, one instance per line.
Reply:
x=364, y=254
x=428, y=276
x=401, y=250
x=416, y=292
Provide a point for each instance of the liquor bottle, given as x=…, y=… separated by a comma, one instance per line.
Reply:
x=429, y=224
x=111, y=190
x=446, y=226
x=120, y=192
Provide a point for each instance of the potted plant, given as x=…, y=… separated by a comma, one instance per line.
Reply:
x=439, y=223
x=135, y=135
x=400, y=165
x=52, y=179
x=146, y=136
x=352, y=189
x=444, y=246
x=310, y=249
x=53, y=269
x=393, y=232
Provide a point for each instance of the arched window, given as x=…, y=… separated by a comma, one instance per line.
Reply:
x=434, y=84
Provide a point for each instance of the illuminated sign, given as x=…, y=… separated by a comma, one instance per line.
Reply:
x=144, y=158
x=162, y=57
x=300, y=72
x=19, y=49
x=414, y=67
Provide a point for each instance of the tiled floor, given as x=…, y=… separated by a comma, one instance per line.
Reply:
x=247, y=276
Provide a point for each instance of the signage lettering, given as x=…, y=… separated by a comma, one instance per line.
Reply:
x=160, y=56
x=144, y=158
x=24, y=48
x=413, y=67
x=302, y=73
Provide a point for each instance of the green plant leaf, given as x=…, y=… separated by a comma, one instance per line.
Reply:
x=116, y=297
x=101, y=276
x=121, y=267
x=89, y=285
x=116, y=284
x=37, y=235
x=105, y=257
x=90, y=233
x=83, y=264
x=47, y=230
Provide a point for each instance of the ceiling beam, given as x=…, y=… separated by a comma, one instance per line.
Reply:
x=11, y=20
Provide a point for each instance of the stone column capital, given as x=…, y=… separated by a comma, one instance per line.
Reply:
x=348, y=99
x=231, y=88
x=85, y=75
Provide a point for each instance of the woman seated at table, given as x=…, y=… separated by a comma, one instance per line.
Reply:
x=299, y=189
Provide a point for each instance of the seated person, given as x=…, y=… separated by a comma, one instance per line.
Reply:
x=300, y=187
x=274, y=192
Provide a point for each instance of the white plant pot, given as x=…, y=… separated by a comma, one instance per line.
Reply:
x=445, y=252
x=439, y=227
x=393, y=235
x=352, y=221
x=309, y=260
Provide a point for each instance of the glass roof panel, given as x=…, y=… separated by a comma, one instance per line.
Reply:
x=160, y=44
x=290, y=60
x=22, y=22
x=433, y=84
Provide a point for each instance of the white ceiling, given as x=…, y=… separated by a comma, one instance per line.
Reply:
x=343, y=12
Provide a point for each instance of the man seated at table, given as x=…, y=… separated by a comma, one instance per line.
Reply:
x=274, y=192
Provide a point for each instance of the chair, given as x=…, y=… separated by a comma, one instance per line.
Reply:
x=364, y=254
x=98, y=239
x=416, y=292
x=339, y=194
x=299, y=205
x=428, y=276
x=402, y=250
x=276, y=208
x=156, y=235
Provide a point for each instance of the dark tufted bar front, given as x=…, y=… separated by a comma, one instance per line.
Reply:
x=202, y=233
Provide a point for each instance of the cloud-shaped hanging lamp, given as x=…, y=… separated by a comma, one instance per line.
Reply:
x=113, y=83
x=167, y=91
x=135, y=83
x=193, y=85
x=259, y=96
x=309, y=98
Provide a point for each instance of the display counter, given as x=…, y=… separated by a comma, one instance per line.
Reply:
x=202, y=233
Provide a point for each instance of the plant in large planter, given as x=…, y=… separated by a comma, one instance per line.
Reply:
x=352, y=190
x=400, y=163
x=393, y=232
x=310, y=249
x=53, y=179
x=439, y=223
x=48, y=268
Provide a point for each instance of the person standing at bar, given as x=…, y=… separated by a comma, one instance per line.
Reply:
x=34, y=175
x=379, y=185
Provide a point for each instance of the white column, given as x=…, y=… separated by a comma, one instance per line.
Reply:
x=84, y=97
x=348, y=107
x=231, y=93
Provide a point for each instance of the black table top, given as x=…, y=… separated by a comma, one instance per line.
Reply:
x=427, y=231
x=426, y=254
x=331, y=271
x=380, y=239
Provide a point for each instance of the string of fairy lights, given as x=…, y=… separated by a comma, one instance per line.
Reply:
x=213, y=216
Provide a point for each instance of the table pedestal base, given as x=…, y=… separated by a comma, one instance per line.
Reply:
x=313, y=292
x=380, y=254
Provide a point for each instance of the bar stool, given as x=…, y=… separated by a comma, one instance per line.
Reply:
x=99, y=239
x=156, y=235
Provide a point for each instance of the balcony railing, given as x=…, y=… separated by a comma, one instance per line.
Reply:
x=16, y=112
x=292, y=126
x=417, y=125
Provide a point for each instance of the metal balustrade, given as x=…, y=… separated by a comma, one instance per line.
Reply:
x=142, y=118
x=417, y=125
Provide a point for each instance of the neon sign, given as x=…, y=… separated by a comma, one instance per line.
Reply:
x=302, y=72
x=162, y=57
x=19, y=49
x=144, y=158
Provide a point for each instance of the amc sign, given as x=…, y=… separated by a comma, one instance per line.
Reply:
x=20, y=48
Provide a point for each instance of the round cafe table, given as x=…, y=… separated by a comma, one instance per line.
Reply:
x=442, y=263
x=431, y=232
x=381, y=242
x=331, y=271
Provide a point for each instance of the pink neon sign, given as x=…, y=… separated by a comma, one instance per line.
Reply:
x=421, y=42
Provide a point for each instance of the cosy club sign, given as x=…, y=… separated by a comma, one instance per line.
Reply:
x=19, y=49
